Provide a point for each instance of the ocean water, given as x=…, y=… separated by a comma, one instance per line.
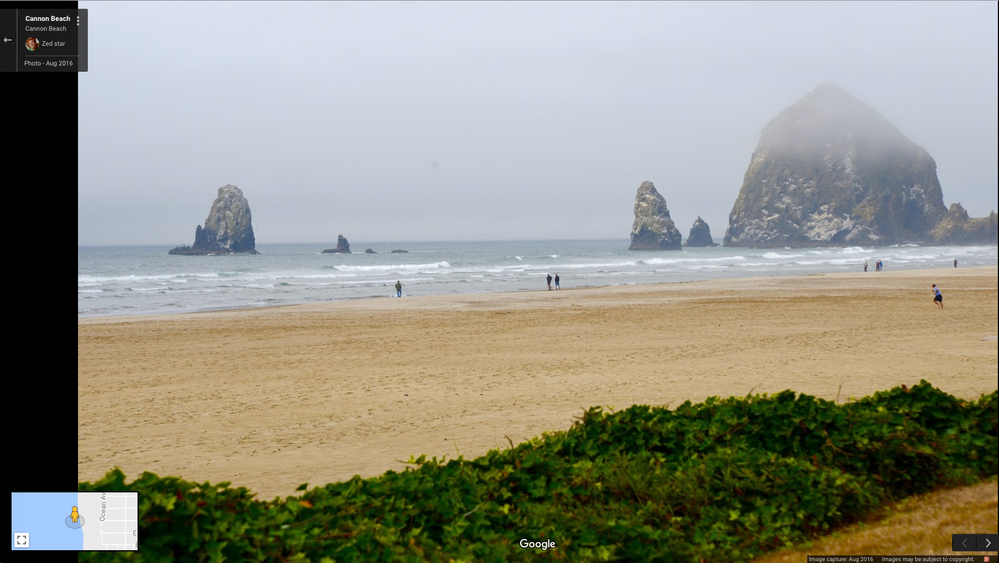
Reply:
x=125, y=280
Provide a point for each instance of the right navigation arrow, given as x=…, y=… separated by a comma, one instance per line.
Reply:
x=988, y=543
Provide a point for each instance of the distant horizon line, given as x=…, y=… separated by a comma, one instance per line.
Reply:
x=625, y=239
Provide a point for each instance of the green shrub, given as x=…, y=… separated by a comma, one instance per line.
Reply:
x=725, y=479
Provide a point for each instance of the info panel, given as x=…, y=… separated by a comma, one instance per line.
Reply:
x=43, y=40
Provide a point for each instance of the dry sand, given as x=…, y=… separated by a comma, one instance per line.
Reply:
x=272, y=398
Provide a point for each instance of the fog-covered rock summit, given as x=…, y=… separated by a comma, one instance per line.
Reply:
x=227, y=229
x=831, y=171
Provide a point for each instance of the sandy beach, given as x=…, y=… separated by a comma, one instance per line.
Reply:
x=272, y=398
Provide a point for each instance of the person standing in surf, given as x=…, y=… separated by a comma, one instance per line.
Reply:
x=549, y=278
x=398, y=288
x=556, y=281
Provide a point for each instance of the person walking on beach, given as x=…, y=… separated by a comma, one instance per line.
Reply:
x=955, y=262
x=549, y=282
x=398, y=288
x=865, y=265
x=556, y=281
x=937, y=298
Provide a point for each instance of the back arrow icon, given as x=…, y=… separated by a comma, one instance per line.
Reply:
x=965, y=542
x=6, y=39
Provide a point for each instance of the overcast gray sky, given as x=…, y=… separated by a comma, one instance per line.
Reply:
x=416, y=121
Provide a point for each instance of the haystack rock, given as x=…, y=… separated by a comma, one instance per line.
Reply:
x=653, y=229
x=700, y=234
x=342, y=246
x=831, y=171
x=369, y=251
x=957, y=228
x=227, y=229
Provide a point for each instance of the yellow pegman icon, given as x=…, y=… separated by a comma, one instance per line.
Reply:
x=75, y=515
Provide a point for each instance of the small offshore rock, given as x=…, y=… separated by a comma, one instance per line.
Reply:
x=700, y=235
x=342, y=246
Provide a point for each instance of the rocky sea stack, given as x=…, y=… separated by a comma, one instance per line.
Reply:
x=957, y=228
x=227, y=229
x=831, y=171
x=342, y=246
x=653, y=229
x=700, y=235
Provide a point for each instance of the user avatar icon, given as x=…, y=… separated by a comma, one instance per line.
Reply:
x=31, y=44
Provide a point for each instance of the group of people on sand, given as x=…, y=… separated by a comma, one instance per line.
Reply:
x=878, y=266
x=398, y=285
